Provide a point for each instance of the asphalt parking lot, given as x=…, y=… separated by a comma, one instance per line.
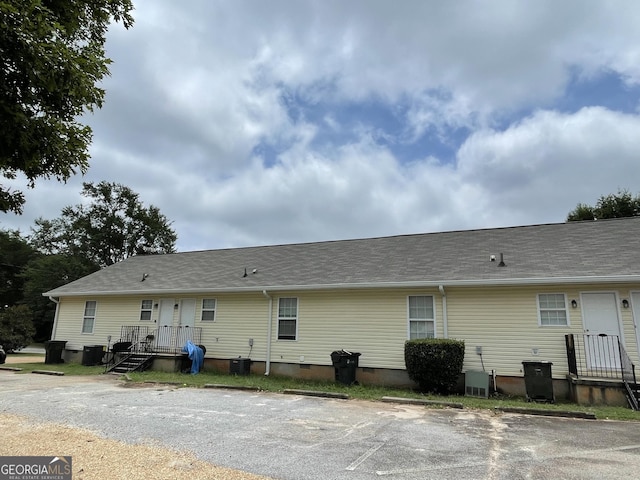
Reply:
x=298, y=437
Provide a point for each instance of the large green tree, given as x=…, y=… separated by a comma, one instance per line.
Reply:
x=622, y=204
x=114, y=225
x=52, y=60
x=15, y=254
x=16, y=327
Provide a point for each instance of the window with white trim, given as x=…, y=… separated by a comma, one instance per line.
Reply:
x=552, y=310
x=287, y=318
x=208, y=310
x=145, y=310
x=422, y=322
x=89, y=318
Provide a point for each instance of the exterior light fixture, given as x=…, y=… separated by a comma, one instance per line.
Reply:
x=625, y=303
x=574, y=303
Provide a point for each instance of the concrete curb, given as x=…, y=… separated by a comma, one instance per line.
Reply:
x=547, y=413
x=48, y=372
x=11, y=369
x=232, y=387
x=418, y=401
x=313, y=393
x=151, y=382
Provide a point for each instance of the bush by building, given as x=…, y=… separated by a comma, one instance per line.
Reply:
x=434, y=363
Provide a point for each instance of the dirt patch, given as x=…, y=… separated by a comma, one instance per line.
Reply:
x=24, y=358
x=98, y=458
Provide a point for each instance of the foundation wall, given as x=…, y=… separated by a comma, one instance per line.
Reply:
x=580, y=391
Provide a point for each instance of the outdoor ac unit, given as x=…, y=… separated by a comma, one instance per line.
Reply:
x=476, y=384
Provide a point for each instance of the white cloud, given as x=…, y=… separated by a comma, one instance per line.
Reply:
x=535, y=171
x=230, y=116
x=543, y=166
x=356, y=190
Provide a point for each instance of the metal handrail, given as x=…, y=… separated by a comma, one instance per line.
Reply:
x=629, y=378
x=596, y=356
x=164, y=339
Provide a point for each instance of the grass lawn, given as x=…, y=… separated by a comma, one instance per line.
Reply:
x=66, y=368
x=363, y=392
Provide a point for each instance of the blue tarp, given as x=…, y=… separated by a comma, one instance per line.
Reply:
x=196, y=355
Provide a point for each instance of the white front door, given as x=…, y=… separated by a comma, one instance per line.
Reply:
x=187, y=321
x=165, y=322
x=601, y=325
x=188, y=312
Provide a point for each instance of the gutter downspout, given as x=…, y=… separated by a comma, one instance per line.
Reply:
x=269, y=325
x=55, y=317
x=445, y=319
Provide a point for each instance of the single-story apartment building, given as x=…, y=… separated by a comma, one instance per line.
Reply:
x=566, y=293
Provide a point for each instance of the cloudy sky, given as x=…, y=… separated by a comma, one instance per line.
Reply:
x=252, y=122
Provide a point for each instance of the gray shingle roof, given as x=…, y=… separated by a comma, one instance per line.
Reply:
x=603, y=250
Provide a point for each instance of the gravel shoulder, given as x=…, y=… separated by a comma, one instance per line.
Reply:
x=98, y=458
x=21, y=358
x=94, y=457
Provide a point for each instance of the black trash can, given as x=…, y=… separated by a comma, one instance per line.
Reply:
x=345, y=364
x=3, y=355
x=538, y=381
x=53, y=351
x=92, y=355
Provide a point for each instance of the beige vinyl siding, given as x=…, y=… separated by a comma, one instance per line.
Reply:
x=504, y=322
x=371, y=322
x=69, y=328
x=239, y=317
x=111, y=314
x=626, y=314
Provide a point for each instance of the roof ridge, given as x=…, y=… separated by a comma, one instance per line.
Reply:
x=415, y=234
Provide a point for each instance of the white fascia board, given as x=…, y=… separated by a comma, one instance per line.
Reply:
x=354, y=286
x=464, y=283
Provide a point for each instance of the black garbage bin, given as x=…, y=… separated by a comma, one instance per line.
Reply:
x=345, y=364
x=53, y=351
x=3, y=355
x=538, y=381
x=92, y=355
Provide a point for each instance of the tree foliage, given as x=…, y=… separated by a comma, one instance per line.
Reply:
x=45, y=273
x=52, y=60
x=619, y=205
x=113, y=226
x=15, y=254
x=16, y=327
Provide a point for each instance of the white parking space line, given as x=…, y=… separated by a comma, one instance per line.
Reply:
x=573, y=454
x=364, y=456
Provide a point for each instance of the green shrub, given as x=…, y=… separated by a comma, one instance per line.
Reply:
x=434, y=363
